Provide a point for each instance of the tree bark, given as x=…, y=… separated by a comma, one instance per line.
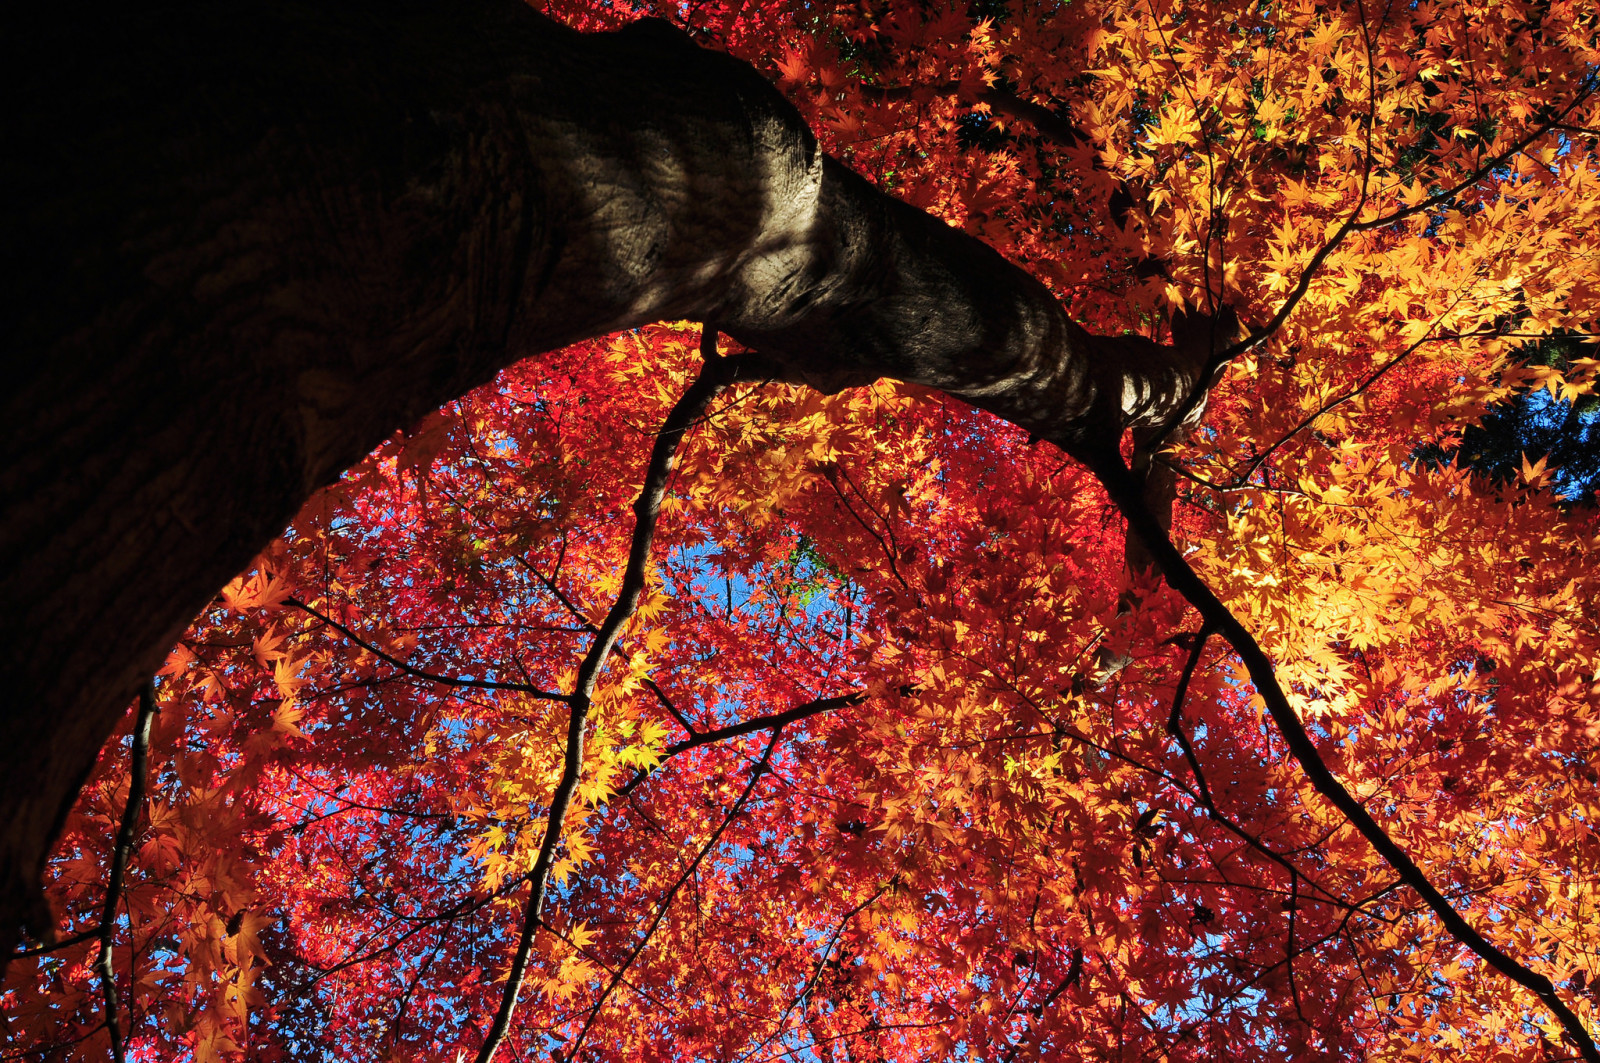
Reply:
x=250, y=239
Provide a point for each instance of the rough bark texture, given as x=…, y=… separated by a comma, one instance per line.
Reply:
x=249, y=240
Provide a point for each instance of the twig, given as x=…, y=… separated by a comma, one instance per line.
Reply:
x=465, y=906
x=1074, y=971
x=403, y=1005
x=888, y=1027
x=119, y=863
x=1211, y=185
x=336, y=795
x=1126, y=492
x=1043, y=119
x=1243, y=478
x=672, y=893
x=418, y=673
x=714, y=377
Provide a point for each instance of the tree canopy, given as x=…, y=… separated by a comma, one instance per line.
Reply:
x=647, y=703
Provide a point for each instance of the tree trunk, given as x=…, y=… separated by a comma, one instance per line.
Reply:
x=251, y=239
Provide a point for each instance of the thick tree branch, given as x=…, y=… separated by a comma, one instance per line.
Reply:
x=263, y=235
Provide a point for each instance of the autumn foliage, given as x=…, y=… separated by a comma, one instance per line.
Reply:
x=1002, y=796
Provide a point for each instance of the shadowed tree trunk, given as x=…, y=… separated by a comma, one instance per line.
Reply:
x=250, y=240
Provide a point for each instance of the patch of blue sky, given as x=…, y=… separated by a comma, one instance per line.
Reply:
x=1548, y=416
x=693, y=571
x=712, y=583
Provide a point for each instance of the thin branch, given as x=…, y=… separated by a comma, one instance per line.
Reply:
x=119, y=863
x=590, y=955
x=1042, y=118
x=579, y=615
x=744, y=727
x=816, y=968
x=1211, y=183
x=403, y=1005
x=1074, y=971
x=418, y=673
x=714, y=377
x=1243, y=478
x=672, y=893
x=1244, y=986
x=1288, y=950
x=831, y=475
x=1175, y=724
x=1219, y=359
x=762, y=723
x=65, y=943
x=1126, y=492
x=336, y=795
x=1202, y=790
x=1199, y=796
x=1440, y=198
x=34, y=1053
x=1350, y=225
x=889, y=1027
x=465, y=906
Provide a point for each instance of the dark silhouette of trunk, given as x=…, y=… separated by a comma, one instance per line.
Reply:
x=249, y=240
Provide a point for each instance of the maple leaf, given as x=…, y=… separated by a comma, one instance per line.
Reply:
x=1536, y=475
x=794, y=66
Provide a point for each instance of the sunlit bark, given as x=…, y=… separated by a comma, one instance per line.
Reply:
x=255, y=239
